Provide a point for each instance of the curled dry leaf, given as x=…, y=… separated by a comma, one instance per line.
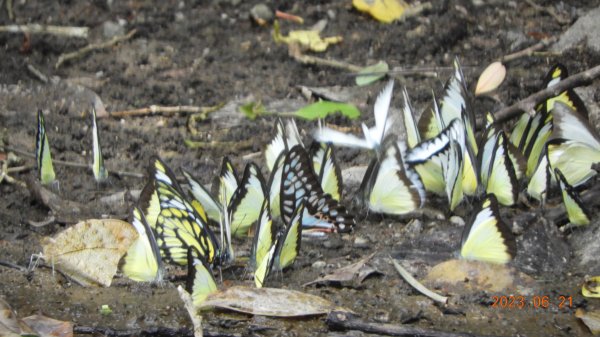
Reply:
x=89, y=252
x=353, y=274
x=385, y=11
x=46, y=326
x=269, y=302
x=591, y=319
x=591, y=287
x=490, y=78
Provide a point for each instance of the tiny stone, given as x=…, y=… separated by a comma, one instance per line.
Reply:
x=456, y=220
x=382, y=316
x=319, y=264
x=361, y=242
x=261, y=13
x=179, y=16
x=111, y=29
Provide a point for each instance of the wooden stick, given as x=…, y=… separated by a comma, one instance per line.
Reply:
x=528, y=104
x=91, y=47
x=337, y=320
x=34, y=28
x=157, y=109
x=529, y=50
x=151, y=331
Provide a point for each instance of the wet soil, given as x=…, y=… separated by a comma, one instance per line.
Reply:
x=206, y=53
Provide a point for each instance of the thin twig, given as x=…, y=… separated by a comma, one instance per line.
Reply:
x=529, y=50
x=37, y=73
x=150, y=331
x=417, y=285
x=550, y=11
x=13, y=265
x=528, y=104
x=337, y=320
x=91, y=47
x=9, y=10
x=35, y=28
x=157, y=109
x=72, y=164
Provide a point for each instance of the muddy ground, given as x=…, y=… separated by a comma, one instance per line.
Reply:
x=206, y=53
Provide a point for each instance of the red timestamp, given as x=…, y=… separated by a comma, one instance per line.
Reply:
x=534, y=301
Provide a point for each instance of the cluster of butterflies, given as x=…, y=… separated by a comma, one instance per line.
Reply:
x=440, y=154
x=178, y=226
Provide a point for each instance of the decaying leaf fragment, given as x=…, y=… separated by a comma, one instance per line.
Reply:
x=353, y=274
x=269, y=302
x=35, y=325
x=305, y=39
x=89, y=252
x=591, y=319
x=385, y=11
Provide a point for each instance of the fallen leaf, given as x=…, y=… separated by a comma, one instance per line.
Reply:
x=372, y=73
x=491, y=78
x=322, y=109
x=462, y=276
x=385, y=11
x=591, y=319
x=269, y=302
x=349, y=275
x=305, y=39
x=49, y=327
x=89, y=252
x=10, y=325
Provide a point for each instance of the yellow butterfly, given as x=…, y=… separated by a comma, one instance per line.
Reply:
x=487, y=238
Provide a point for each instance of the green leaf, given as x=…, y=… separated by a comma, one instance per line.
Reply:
x=370, y=74
x=252, y=109
x=322, y=109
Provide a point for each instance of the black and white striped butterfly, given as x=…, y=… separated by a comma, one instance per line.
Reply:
x=298, y=183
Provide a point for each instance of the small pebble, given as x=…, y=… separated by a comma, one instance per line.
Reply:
x=111, y=29
x=261, y=14
x=382, y=316
x=319, y=264
x=456, y=220
x=361, y=242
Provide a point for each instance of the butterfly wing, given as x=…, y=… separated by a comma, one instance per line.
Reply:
x=487, y=238
x=227, y=181
x=578, y=214
x=200, y=280
x=277, y=145
x=499, y=176
x=42, y=152
x=412, y=132
x=143, y=262
x=100, y=172
x=288, y=245
x=390, y=190
x=203, y=199
x=298, y=183
x=264, y=235
x=176, y=224
x=329, y=173
x=275, y=186
x=247, y=200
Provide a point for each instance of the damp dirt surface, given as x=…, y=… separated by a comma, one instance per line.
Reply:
x=210, y=53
